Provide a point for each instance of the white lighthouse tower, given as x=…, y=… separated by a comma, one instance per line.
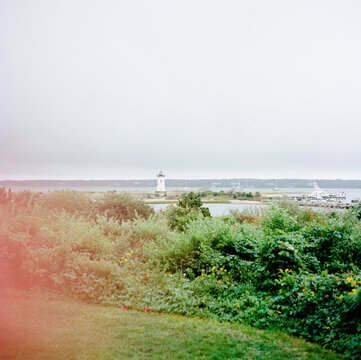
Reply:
x=161, y=183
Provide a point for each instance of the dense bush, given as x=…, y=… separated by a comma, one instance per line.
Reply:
x=188, y=208
x=73, y=202
x=277, y=220
x=51, y=239
x=335, y=243
x=356, y=210
x=5, y=196
x=322, y=307
x=285, y=268
x=122, y=207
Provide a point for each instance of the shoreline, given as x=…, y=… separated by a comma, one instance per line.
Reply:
x=245, y=202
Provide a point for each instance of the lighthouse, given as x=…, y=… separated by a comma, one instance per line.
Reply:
x=161, y=183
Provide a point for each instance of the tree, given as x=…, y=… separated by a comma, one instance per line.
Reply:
x=189, y=207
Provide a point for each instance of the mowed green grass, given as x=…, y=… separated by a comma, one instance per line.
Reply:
x=36, y=327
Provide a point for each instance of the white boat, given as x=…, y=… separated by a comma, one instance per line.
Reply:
x=318, y=193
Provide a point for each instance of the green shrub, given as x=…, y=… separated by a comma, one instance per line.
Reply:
x=122, y=207
x=188, y=208
x=356, y=210
x=333, y=243
x=73, y=202
x=277, y=220
x=23, y=201
x=283, y=267
x=80, y=235
x=14, y=258
x=179, y=218
x=321, y=307
x=277, y=252
x=111, y=227
x=134, y=235
x=207, y=243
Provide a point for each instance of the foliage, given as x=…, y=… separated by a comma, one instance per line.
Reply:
x=188, y=208
x=283, y=251
x=73, y=202
x=332, y=304
x=122, y=207
x=357, y=210
x=23, y=200
x=5, y=196
x=190, y=200
x=240, y=217
x=134, y=235
x=335, y=242
x=284, y=268
x=230, y=194
x=278, y=220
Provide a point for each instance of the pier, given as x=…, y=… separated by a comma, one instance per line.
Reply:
x=326, y=204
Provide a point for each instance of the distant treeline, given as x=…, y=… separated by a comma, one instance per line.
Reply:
x=189, y=183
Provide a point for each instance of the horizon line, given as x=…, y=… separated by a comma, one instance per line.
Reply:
x=210, y=178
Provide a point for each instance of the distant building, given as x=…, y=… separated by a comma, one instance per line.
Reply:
x=160, y=183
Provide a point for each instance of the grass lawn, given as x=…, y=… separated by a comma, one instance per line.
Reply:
x=39, y=326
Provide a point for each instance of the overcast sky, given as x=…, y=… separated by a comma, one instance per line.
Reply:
x=120, y=89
